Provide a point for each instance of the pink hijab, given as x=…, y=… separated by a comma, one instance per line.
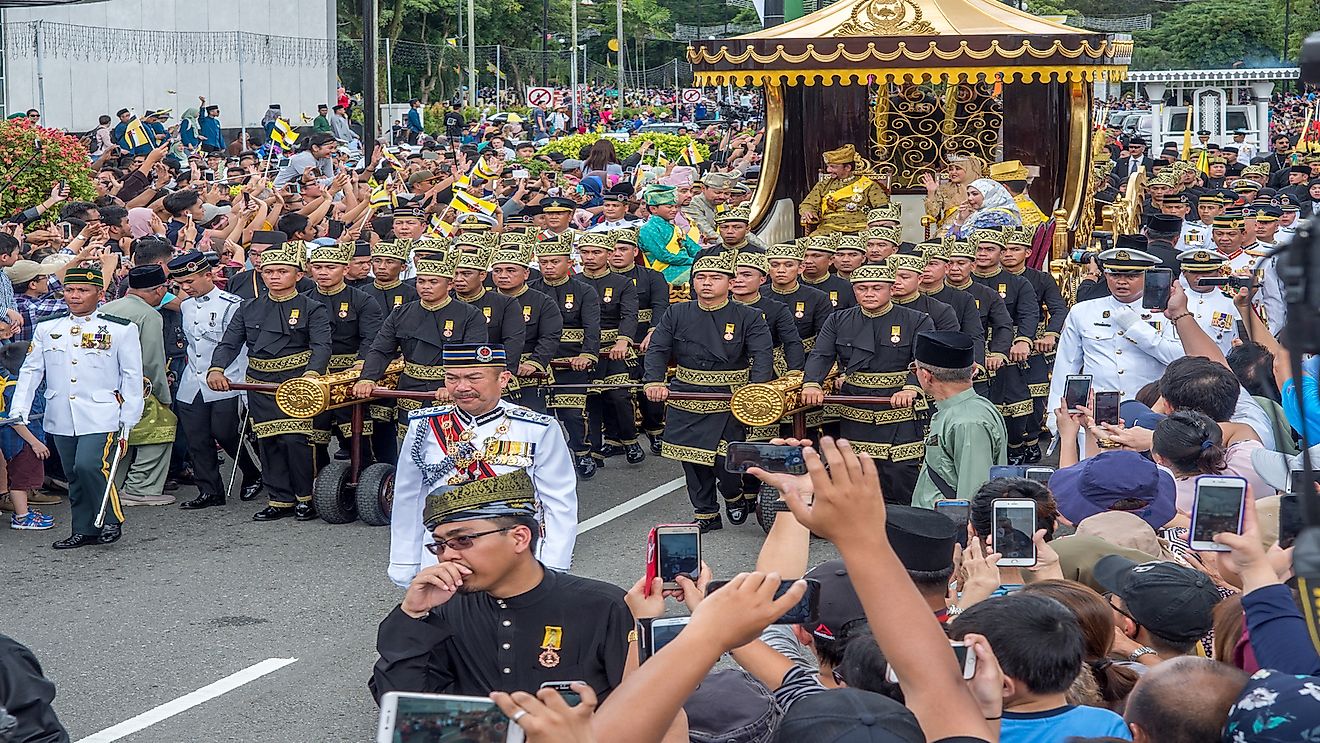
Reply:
x=139, y=221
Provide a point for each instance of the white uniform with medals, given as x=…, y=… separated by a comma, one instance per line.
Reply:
x=92, y=367
x=1242, y=263
x=204, y=321
x=1269, y=300
x=1214, y=312
x=1122, y=347
x=1194, y=235
x=508, y=438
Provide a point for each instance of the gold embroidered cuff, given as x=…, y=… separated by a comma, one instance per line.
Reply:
x=281, y=363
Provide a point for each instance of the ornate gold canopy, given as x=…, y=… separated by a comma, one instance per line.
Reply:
x=863, y=41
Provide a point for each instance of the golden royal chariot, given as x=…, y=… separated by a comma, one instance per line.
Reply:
x=919, y=80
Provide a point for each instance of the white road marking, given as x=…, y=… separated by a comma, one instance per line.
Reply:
x=188, y=701
x=655, y=493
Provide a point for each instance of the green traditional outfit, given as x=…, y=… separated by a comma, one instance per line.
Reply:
x=666, y=248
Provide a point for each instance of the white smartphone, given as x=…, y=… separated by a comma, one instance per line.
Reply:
x=406, y=716
x=1013, y=526
x=1217, y=508
x=966, y=661
x=659, y=632
x=677, y=552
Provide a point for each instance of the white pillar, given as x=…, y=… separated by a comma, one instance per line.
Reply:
x=1260, y=95
x=1155, y=94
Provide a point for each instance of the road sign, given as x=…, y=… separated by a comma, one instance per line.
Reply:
x=691, y=95
x=540, y=96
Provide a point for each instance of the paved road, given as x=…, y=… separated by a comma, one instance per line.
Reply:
x=188, y=598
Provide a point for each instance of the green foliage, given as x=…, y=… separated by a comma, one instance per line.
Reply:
x=672, y=145
x=62, y=158
x=1206, y=34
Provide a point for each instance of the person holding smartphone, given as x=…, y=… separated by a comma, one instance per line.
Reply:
x=1213, y=309
x=1122, y=346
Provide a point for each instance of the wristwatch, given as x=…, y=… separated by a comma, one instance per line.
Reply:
x=1143, y=650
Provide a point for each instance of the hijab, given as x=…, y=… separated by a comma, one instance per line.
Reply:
x=994, y=197
x=139, y=221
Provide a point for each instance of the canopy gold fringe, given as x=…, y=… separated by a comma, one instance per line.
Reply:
x=1121, y=50
x=826, y=77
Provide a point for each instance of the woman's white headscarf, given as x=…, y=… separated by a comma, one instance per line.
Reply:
x=994, y=197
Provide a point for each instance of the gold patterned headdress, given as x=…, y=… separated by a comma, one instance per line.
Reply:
x=722, y=262
x=341, y=254
x=510, y=494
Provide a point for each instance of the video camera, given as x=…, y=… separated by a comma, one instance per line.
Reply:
x=1299, y=270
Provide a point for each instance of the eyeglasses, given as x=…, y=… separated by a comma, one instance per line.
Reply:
x=1109, y=600
x=34, y=116
x=462, y=541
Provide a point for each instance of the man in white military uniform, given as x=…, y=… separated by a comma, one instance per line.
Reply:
x=205, y=415
x=1121, y=345
x=92, y=366
x=1229, y=237
x=480, y=436
x=1213, y=309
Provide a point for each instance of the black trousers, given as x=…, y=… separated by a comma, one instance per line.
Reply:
x=702, y=483
x=611, y=419
x=287, y=468
x=897, y=481
x=653, y=415
x=205, y=424
x=575, y=425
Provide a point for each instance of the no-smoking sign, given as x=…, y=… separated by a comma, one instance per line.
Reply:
x=540, y=96
x=691, y=95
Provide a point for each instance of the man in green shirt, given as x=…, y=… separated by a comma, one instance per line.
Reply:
x=967, y=434
x=322, y=121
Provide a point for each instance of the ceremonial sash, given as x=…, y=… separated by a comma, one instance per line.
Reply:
x=847, y=192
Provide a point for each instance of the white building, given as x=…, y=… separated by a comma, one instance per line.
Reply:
x=77, y=62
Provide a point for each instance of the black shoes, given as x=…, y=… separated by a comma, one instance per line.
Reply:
x=1031, y=454
x=250, y=490
x=110, y=533
x=656, y=440
x=203, y=501
x=634, y=453
x=586, y=467
x=304, y=511
x=1015, y=455
x=271, y=513
x=77, y=540
x=610, y=450
x=343, y=455
x=737, y=511
x=711, y=524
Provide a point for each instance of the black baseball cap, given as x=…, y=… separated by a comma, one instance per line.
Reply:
x=850, y=716
x=1168, y=599
x=839, y=605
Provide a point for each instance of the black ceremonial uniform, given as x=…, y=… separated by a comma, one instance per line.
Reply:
x=1054, y=310
x=611, y=418
x=542, y=325
x=836, y=288
x=809, y=307
x=1008, y=390
x=579, y=304
x=996, y=326
x=716, y=350
x=248, y=284
x=940, y=313
x=391, y=295
x=789, y=354
x=965, y=308
x=652, y=301
x=874, y=352
x=474, y=643
x=420, y=334
x=355, y=320
x=285, y=339
x=503, y=320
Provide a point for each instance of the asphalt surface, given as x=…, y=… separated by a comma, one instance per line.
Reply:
x=187, y=598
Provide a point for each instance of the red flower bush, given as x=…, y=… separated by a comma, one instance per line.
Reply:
x=63, y=157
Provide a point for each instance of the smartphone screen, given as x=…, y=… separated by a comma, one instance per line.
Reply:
x=1076, y=390
x=678, y=553
x=744, y=455
x=959, y=511
x=1297, y=481
x=1007, y=470
x=66, y=230
x=437, y=717
x=1217, y=509
x=565, y=689
x=1015, y=523
x=663, y=631
x=1290, y=519
x=802, y=612
x=1155, y=296
x=1106, y=408
x=1040, y=474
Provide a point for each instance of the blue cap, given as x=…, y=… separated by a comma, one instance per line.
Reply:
x=1096, y=484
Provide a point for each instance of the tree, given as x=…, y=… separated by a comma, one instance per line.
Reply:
x=1206, y=34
